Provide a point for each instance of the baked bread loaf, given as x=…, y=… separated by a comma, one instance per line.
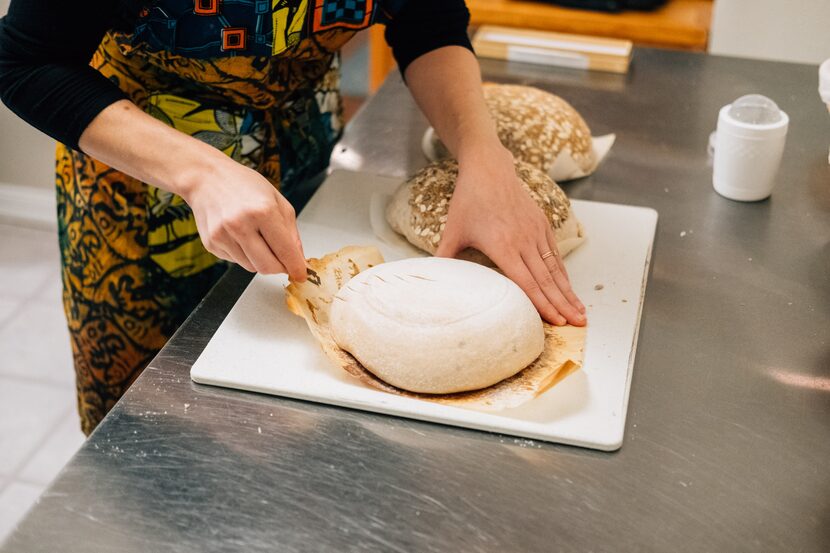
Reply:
x=536, y=126
x=419, y=208
x=436, y=325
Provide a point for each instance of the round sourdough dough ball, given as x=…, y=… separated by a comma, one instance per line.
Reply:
x=536, y=126
x=418, y=210
x=436, y=325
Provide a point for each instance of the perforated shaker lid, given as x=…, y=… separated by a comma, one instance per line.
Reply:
x=755, y=109
x=824, y=81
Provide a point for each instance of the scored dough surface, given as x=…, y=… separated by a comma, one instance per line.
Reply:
x=436, y=325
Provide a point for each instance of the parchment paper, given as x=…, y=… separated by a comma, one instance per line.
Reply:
x=565, y=168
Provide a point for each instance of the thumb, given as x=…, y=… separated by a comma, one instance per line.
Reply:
x=450, y=244
x=300, y=247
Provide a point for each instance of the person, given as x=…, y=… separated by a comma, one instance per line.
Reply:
x=183, y=124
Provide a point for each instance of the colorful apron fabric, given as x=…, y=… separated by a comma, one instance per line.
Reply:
x=256, y=79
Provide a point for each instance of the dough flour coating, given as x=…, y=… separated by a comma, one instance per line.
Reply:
x=419, y=208
x=436, y=325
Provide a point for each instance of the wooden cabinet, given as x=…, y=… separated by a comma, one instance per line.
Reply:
x=682, y=24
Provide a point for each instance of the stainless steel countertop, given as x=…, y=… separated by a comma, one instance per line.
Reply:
x=728, y=432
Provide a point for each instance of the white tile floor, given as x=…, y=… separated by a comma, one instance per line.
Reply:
x=39, y=428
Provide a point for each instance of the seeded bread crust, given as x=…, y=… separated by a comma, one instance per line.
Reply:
x=536, y=126
x=419, y=208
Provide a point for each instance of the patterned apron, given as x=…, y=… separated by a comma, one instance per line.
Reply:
x=257, y=79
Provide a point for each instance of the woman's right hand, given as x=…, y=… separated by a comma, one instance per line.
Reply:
x=239, y=214
x=242, y=218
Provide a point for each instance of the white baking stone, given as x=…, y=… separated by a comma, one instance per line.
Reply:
x=261, y=346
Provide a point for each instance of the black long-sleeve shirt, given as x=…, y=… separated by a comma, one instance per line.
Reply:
x=46, y=45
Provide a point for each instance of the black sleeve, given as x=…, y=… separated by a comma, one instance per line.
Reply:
x=426, y=25
x=45, y=77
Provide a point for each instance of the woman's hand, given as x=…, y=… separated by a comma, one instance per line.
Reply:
x=241, y=217
x=491, y=212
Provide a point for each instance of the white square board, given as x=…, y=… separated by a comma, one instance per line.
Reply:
x=262, y=347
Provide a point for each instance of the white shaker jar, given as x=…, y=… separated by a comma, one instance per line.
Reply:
x=749, y=144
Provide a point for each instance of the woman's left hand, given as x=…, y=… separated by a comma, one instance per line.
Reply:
x=491, y=212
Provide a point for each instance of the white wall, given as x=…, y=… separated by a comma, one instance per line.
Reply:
x=785, y=30
x=26, y=156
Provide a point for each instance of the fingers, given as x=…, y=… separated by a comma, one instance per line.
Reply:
x=260, y=254
x=240, y=237
x=264, y=240
x=243, y=218
x=232, y=252
x=450, y=243
x=558, y=271
x=284, y=242
x=252, y=253
x=300, y=247
x=517, y=271
x=551, y=245
x=219, y=243
x=548, y=281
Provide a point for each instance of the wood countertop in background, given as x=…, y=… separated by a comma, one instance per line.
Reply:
x=680, y=24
